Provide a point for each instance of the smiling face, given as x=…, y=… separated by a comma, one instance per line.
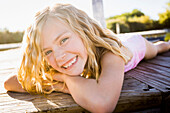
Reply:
x=63, y=48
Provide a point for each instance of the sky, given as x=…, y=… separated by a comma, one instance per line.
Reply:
x=16, y=15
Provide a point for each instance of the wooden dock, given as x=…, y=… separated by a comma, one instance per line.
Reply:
x=145, y=89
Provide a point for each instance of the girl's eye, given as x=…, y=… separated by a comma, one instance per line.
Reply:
x=63, y=40
x=48, y=52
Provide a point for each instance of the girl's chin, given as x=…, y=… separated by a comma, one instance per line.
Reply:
x=75, y=74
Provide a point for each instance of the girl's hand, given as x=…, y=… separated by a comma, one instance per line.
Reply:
x=12, y=84
x=59, y=77
x=60, y=86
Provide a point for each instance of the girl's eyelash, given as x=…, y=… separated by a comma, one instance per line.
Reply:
x=63, y=40
x=48, y=52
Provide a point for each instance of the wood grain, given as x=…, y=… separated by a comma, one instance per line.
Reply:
x=145, y=87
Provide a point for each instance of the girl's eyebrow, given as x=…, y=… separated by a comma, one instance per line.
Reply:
x=57, y=38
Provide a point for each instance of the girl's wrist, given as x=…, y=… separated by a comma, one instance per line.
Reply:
x=69, y=77
x=66, y=77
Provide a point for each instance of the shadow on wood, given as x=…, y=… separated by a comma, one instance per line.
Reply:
x=145, y=88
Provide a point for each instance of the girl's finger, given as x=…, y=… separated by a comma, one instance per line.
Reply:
x=58, y=77
x=61, y=87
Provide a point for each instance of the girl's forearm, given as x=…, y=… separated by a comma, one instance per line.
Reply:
x=90, y=95
x=77, y=87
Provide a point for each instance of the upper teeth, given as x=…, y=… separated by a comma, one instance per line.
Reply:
x=69, y=64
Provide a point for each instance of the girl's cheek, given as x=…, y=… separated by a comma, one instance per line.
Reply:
x=50, y=60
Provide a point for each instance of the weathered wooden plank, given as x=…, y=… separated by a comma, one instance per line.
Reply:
x=155, y=77
x=135, y=95
x=155, y=72
x=136, y=100
x=154, y=68
x=151, y=82
x=9, y=46
x=160, y=62
x=35, y=103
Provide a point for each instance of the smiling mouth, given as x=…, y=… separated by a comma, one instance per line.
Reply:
x=72, y=62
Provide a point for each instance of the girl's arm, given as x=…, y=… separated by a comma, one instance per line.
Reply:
x=101, y=96
x=12, y=84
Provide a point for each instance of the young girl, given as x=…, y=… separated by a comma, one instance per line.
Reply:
x=65, y=50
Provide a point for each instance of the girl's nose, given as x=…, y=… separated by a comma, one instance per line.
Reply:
x=60, y=57
x=63, y=56
x=59, y=53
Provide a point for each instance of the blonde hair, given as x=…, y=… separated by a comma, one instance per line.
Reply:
x=34, y=69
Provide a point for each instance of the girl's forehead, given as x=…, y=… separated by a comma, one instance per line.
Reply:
x=52, y=28
x=55, y=20
x=53, y=23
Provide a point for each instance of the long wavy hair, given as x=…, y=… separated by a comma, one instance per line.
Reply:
x=34, y=70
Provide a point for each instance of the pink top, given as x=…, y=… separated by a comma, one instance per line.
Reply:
x=136, y=44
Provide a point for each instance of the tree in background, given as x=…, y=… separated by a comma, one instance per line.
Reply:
x=136, y=13
x=10, y=37
x=130, y=22
x=164, y=18
x=138, y=21
x=124, y=23
x=121, y=19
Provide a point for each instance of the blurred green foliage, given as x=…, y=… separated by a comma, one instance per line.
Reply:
x=137, y=21
x=167, y=37
x=164, y=18
x=128, y=22
x=10, y=37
